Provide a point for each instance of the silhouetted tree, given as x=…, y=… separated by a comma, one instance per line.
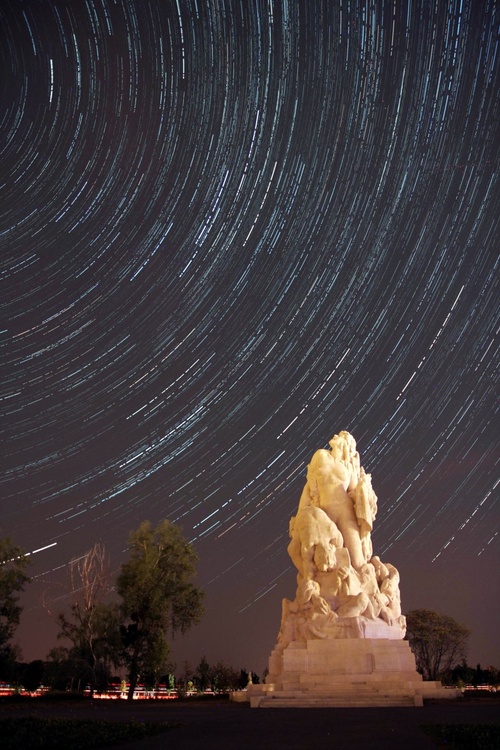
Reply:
x=491, y=676
x=243, y=679
x=203, y=674
x=62, y=672
x=13, y=579
x=224, y=678
x=92, y=625
x=438, y=642
x=157, y=597
x=33, y=674
x=460, y=675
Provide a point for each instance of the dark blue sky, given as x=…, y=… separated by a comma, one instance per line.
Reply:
x=228, y=231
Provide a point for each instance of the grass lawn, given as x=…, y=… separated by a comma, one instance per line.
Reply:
x=29, y=733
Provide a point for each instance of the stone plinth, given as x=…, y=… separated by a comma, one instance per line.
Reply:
x=344, y=672
x=340, y=641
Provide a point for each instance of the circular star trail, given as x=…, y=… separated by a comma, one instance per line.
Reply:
x=228, y=231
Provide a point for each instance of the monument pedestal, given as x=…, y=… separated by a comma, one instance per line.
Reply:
x=344, y=672
x=340, y=641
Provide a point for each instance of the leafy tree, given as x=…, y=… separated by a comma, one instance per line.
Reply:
x=243, y=679
x=224, y=678
x=203, y=674
x=12, y=581
x=438, y=642
x=63, y=672
x=93, y=626
x=157, y=596
x=460, y=675
x=491, y=676
x=33, y=674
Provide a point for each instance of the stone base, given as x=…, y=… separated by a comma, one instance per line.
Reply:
x=344, y=672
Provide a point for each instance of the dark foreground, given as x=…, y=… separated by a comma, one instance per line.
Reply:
x=219, y=723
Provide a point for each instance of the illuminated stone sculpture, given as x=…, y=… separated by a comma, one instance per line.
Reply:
x=343, y=590
x=340, y=640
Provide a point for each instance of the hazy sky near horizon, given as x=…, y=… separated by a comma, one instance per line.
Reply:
x=229, y=230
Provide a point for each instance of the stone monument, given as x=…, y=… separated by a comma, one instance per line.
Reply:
x=340, y=641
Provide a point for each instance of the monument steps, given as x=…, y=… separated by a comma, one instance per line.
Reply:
x=341, y=639
x=337, y=701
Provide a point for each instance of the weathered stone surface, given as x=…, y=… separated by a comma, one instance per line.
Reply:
x=341, y=638
x=343, y=590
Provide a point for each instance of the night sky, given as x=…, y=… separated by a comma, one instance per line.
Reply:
x=230, y=229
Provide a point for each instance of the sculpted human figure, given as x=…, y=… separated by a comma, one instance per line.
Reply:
x=388, y=581
x=314, y=611
x=314, y=538
x=331, y=476
x=365, y=508
x=341, y=586
x=306, y=616
x=378, y=602
x=342, y=590
x=351, y=455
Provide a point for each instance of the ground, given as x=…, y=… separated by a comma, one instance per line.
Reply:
x=219, y=723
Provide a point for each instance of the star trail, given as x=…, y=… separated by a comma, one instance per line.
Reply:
x=230, y=229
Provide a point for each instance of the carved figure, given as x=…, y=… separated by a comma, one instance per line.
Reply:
x=388, y=580
x=315, y=612
x=314, y=538
x=343, y=591
x=365, y=508
x=331, y=476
